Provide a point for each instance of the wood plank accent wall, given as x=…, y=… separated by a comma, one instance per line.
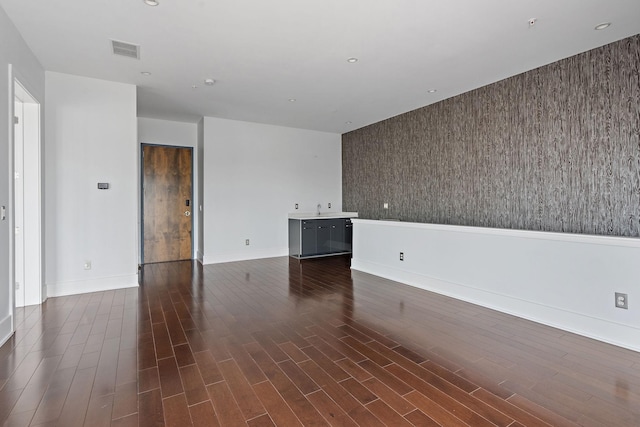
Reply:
x=553, y=149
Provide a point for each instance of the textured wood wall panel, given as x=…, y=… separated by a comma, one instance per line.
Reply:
x=553, y=149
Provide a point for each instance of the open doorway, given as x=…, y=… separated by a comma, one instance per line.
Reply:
x=27, y=197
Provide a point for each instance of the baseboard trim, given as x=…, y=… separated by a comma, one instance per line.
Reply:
x=6, y=331
x=92, y=285
x=245, y=255
x=612, y=333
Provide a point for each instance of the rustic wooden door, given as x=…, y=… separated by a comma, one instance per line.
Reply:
x=166, y=203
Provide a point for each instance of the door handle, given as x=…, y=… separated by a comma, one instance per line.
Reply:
x=187, y=213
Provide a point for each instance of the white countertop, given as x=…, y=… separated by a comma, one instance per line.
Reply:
x=323, y=215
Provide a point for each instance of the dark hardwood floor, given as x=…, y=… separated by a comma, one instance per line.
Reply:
x=289, y=343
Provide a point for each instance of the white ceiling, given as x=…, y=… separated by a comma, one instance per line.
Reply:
x=264, y=52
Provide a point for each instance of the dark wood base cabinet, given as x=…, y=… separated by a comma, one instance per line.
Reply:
x=319, y=237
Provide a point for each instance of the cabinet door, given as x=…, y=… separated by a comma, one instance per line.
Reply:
x=348, y=235
x=309, y=238
x=337, y=235
x=324, y=237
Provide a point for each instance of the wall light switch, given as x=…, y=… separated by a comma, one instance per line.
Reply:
x=3, y=213
x=385, y=205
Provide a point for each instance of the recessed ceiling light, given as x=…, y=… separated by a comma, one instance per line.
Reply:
x=292, y=100
x=347, y=123
x=151, y=2
x=145, y=73
x=603, y=26
x=532, y=22
x=194, y=86
x=209, y=82
x=432, y=90
x=352, y=60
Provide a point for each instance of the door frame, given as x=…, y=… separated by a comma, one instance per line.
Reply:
x=28, y=198
x=193, y=204
x=35, y=117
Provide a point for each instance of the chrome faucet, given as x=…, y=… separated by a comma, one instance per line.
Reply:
x=319, y=206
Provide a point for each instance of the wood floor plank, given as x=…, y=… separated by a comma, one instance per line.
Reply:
x=54, y=397
x=330, y=410
x=148, y=379
x=386, y=414
x=176, y=411
x=129, y=421
x=435, y=411
x=99, y=411
x=305, y=384
x=475, y=416
x=183, y=355
x=125, y=400
x=241, y=389
x=334, y=390
x=507, y=408
x=357, y=390
x=193, y=385
x=203, y=415
x=261, y=421
x=208, y=367
x=225, y=405
x=275, y=405
x=77, y=402
x=246, y=364
x=170, y=382
x=303, y=409
x=418, y=418
x=390, y=397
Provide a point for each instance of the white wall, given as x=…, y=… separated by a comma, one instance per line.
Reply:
x=254, y=174
x=559, y=279
x=179, y=134
x=24, y=65
x=91, y=137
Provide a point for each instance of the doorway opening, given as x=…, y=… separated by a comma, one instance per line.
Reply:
x=27, y=198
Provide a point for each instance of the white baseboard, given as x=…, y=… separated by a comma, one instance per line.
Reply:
x=602, y=330
x=5, y=329
x=245, y=255
x=92, y=285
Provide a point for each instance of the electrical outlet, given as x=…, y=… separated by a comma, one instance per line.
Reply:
x=17, y=285
x=622, y=300
x=87, y=265
x=246, y=242
x=296, y=206
x=401, y=256
x=329, y=205
x=385, y=205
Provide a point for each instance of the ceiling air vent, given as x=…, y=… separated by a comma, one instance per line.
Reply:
x=125, y=49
